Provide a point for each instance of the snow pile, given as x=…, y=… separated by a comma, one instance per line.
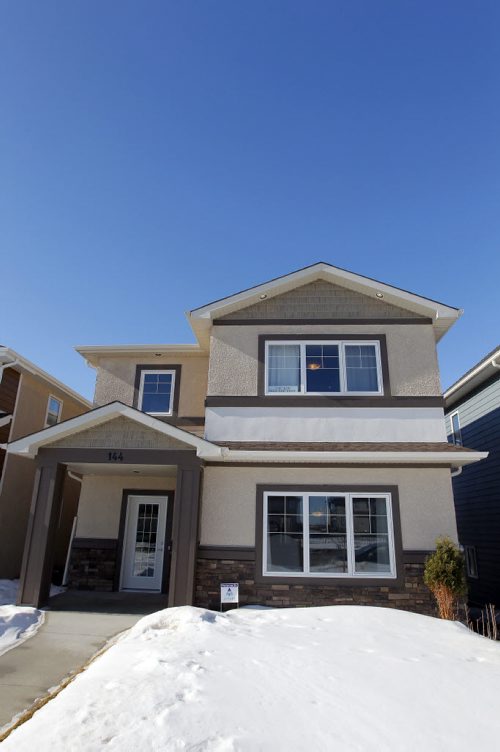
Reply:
x=341, y=677
x=17, y=623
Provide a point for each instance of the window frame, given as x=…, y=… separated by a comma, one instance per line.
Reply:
x=470, y=556
x=351, y=574
x=157, y=371
x=341, y=343
x=456, y=434
x=47, y=412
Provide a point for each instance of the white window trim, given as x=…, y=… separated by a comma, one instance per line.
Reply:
x=341, y=345
x=351, y=573
x=156, y=371
x=453, y=433
x=60, y=403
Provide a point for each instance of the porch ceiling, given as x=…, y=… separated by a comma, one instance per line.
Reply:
x=96, y=468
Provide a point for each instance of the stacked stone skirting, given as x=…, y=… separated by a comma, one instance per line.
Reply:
x=412, y=595
x=93, y=566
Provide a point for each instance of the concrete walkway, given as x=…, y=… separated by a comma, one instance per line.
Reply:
x=76, y=626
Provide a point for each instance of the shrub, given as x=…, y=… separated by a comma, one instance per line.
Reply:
x=444, y=575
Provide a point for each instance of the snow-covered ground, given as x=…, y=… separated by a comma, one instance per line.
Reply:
x=334, y=678
x=17, y=623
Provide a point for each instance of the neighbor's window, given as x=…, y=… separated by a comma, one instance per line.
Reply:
x=456, y=432
x=323, y=368
x=54, y=409
x=328, y=535
x=471, y=561
x=156, y=391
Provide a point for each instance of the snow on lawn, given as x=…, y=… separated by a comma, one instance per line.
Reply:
x=17, y=623
x=340, y=677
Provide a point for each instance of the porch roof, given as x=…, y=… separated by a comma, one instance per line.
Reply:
x=28, y=446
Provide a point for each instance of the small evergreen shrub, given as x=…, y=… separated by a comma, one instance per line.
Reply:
x=444, y=575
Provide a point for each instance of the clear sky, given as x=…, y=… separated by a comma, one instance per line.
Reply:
x=155, y=156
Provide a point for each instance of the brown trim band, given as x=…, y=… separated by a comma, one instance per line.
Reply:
x=228, y=553
x=325, y=582
x=263, y=338
x=304, y=400
x=415, y=557
x=319, y=322
x=179, y=457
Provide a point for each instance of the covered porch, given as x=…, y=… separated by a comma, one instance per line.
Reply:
x=135, y=534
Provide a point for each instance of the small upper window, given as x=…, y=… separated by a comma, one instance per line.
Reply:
x=323, y=368
x=54, y=409
x=156, y=391
x=456, y=431
x=471, y=561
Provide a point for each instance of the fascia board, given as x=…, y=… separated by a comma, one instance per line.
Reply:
x=456, y=459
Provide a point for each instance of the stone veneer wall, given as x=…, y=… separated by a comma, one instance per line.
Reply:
x=412, y=596
x=93, y=567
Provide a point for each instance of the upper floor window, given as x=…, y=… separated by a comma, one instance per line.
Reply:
x=54, y=410
x=320, y=367
x=156, y=390
x=456, y=431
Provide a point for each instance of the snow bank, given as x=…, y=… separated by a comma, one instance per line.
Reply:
x=342, y=677
x=17, y=623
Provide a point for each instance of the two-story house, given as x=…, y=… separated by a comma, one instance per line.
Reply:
x=472, y=406
x=30, y=400
x=298, y=448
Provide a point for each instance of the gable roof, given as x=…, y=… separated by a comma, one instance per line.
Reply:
x=28, y=446
x=473, y=378
x=11, y=359
x=442, y=315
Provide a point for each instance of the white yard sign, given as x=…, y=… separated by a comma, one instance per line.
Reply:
x=229, y=592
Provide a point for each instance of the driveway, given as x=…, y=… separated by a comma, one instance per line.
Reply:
x=76, y=626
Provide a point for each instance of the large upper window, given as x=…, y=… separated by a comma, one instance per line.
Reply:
x=323, y=367
x=328, y=535
x=54, y=410
x=156, y=390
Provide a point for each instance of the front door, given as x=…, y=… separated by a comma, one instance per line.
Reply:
x=144, y=543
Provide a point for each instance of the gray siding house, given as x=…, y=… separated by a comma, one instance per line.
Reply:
x=298, y=447
x=472, y=407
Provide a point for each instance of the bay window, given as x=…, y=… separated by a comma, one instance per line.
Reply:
x=328, y=535
x=323, y=367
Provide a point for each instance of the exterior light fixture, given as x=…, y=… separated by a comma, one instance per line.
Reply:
x=263, y=297
x=379, y=294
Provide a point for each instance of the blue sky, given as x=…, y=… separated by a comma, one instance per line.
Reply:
x=155, y=156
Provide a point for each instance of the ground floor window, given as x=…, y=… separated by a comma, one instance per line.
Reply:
x=471, y=561
x=328, y=535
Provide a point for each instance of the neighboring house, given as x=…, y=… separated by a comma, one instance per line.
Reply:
x=298, y=448
x=472, y=407
x=30, y=400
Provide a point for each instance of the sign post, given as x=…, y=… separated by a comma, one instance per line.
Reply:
x=229, y=593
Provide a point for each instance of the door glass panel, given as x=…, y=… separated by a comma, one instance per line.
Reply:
x=145, y=540
x=371, y=535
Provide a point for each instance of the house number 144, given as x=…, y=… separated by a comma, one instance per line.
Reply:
x=115, y=457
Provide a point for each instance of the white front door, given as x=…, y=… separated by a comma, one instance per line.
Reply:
x=144, y=543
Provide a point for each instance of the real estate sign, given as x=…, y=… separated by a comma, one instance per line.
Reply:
x=229, y=592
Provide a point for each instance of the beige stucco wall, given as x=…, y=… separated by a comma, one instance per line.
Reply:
x=116, y=377
x=101, y=500
x=229, y=500
x=31, y=408
x=413, y=366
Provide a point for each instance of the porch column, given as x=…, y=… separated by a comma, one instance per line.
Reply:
x=185, y=535
x=36, y=570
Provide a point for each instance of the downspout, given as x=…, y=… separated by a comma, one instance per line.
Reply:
x=495, y=364
x=457, y=472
